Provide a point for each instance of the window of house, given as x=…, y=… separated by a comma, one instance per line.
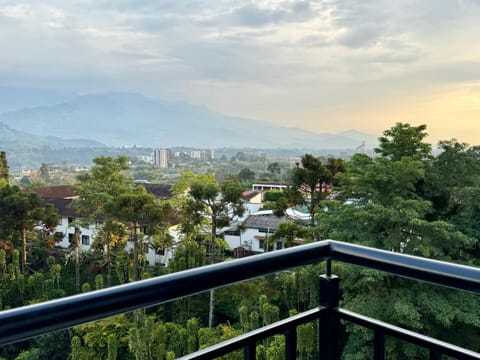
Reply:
x=145, y=248
x=161, y=251
x=279, y=245
x=261, y=244
x=70, y=220
x=85, y=240
x=71, y=238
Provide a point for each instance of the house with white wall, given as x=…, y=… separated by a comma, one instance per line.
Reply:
x=254, y=233
x=62, y=197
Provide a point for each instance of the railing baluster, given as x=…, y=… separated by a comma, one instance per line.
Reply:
x=435, y=355
x=250, y=351
x=378, y=345
x=291, y=344
x=329, y=324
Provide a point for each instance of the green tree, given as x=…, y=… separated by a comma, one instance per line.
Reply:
x=390, y=208
x=453, y=187
x=454, y=169
x=287, y=232
x=112, y=347
x=404, y=140
x=3, y=276
x=247, y=175
x=55, y=271
x=310, y=181
x=45, y=173
x=138, y=209
x=3, y=168
x=75, y=245
x=25, y=181
x=274, y=168
x=192, y=337
x=97, y=191
x=381, y=180
x=80, y=352
x=276, y=348
x=20, y=212
x=95, y=339
x=109, y=241
x=147, y=338
x=31, y=354
x=220, y=203
x=54, y=345
x=201, y=198
x=13, y=280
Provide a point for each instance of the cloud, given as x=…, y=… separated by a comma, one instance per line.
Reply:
x=451, y=72
x=246, y=56
x=144, y=6
x=253, y=14
x=362, y=36
x=315, y=40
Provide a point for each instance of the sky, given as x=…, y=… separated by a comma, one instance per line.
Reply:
x=325, y=66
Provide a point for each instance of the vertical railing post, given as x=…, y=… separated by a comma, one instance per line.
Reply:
x=435, y=355
x=329, y=323
x=291, y=344
x=250, y=352
x=378, y=345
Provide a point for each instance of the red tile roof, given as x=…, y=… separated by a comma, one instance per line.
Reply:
x=249, y=194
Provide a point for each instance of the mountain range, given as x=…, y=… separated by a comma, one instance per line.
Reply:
x=123, y=119
x=9, y=138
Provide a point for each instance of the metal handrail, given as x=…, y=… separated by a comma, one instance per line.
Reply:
x=29, y=321
x=414, y=267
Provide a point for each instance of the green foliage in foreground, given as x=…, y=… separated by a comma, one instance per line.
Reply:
x=404, y=200
x=408, y=202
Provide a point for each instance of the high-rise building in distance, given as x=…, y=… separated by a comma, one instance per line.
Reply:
x=160, y=157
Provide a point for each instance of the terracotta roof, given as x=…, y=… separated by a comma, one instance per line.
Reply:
x=55, y=192
x=250, y=194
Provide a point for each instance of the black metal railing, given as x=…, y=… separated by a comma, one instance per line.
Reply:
x=29, y=321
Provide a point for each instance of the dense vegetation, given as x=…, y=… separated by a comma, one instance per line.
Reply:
x=404, y=200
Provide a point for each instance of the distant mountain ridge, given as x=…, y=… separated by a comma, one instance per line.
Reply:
x=14, y=98
x=119, y=119
x=13, y=137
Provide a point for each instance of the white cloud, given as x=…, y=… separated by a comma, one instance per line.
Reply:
x=243, y=56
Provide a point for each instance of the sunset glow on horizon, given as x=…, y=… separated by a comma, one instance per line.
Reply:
x=324, y=66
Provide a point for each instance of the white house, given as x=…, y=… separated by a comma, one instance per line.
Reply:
x=253, y=234
x=61, y=197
